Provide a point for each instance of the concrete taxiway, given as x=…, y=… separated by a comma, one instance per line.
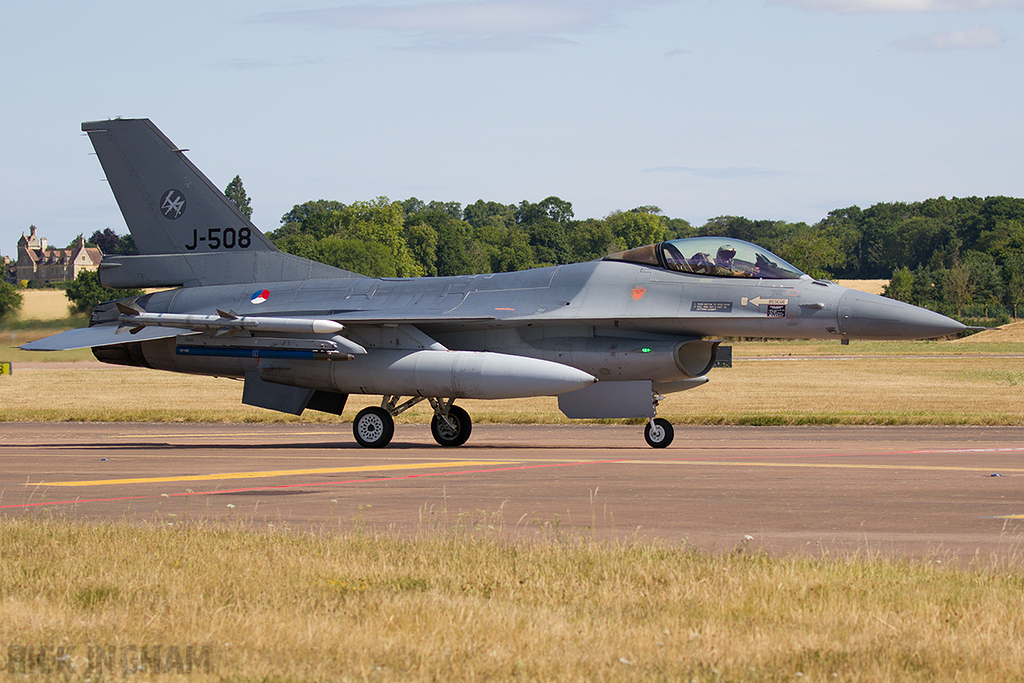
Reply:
x=920, y=491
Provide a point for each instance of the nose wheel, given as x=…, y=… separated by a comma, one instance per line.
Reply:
x=658, y=433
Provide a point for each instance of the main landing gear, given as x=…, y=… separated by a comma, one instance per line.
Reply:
x=374, y=427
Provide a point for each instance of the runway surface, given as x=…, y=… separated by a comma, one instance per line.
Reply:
x=918, y=491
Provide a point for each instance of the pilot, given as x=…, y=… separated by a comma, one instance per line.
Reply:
x=723, y=261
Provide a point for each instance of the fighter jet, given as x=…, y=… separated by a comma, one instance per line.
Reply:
x=609, y=337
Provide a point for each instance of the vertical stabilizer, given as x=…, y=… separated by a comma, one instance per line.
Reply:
x=170, y=207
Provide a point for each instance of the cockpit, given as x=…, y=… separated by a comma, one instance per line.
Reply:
x=714, y=256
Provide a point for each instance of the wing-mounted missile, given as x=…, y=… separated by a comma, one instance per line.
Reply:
x=134, y=318
x=229, y=335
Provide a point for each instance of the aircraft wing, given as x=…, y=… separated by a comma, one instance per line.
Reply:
x=100, y=335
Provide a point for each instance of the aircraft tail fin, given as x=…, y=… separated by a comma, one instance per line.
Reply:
x=170, y=207
x=188, y=233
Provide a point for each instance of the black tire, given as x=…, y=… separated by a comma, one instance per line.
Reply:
x=373, y=427
x=662, y=434
x=457, y=433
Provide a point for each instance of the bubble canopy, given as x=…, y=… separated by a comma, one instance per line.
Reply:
x=714, y=256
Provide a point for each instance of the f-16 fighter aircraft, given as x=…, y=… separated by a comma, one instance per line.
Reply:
x=609, y=337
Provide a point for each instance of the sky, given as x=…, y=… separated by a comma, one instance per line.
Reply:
x=769, y=109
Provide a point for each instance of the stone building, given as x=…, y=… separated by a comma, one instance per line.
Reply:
x=36, y=261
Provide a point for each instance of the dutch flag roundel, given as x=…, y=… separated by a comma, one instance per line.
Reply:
x=260, y=296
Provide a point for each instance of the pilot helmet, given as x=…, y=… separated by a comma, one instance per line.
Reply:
x=726, y=253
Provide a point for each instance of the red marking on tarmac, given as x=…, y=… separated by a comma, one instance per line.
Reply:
x=288, y=486
x=838, y=455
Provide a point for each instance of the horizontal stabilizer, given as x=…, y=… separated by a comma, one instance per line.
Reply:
x=100, y=335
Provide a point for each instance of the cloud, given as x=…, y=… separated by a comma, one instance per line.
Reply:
x=496, y=25
x=968, y=39
x=852, y=6
x=720, y=173
x=475, y=16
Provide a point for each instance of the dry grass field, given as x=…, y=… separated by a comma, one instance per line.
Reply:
x=43, y=304
x=461, y=603
x=769, y=383
x=869, y=286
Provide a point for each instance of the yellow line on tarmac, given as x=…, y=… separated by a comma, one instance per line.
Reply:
x=227, y=435
x=822, y=465
x=273, y=473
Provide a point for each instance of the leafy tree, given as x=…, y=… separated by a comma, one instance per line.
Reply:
x=381, y=221
x=1013, y=282
x=482, y=214
x=917, y=238
x=678, y=228
x=958, y=286
x=318, y=218
x=926, y=291
x=236, y=193
x=815, y=252
x=636, y=228
x=901, y=286
x=514, y=252
x=592, y=239
x=126, y=246
x=10, y=299
x=106, y=241
x=546, y=224
x=844, y=225
x=422, y=240
x=453, y=256
x=1004, y=239
x=305, y=246
x=85, y=292
x=366, y=258
x=987, y=277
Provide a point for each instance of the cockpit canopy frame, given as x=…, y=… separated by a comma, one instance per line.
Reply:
x=711, y=256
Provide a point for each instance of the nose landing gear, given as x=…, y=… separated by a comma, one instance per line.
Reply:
x=658, y=432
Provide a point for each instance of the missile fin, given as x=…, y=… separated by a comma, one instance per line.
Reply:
x=130, y=309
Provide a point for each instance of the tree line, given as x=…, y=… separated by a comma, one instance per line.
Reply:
x=962, y=256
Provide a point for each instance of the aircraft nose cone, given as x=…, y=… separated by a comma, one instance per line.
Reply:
x=866, y=316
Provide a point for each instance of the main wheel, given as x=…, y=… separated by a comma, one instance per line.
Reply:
x=659, y=433
x=453, y=431
x=373, y=427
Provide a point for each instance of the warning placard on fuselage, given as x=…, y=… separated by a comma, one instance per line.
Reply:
x=711, y=307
